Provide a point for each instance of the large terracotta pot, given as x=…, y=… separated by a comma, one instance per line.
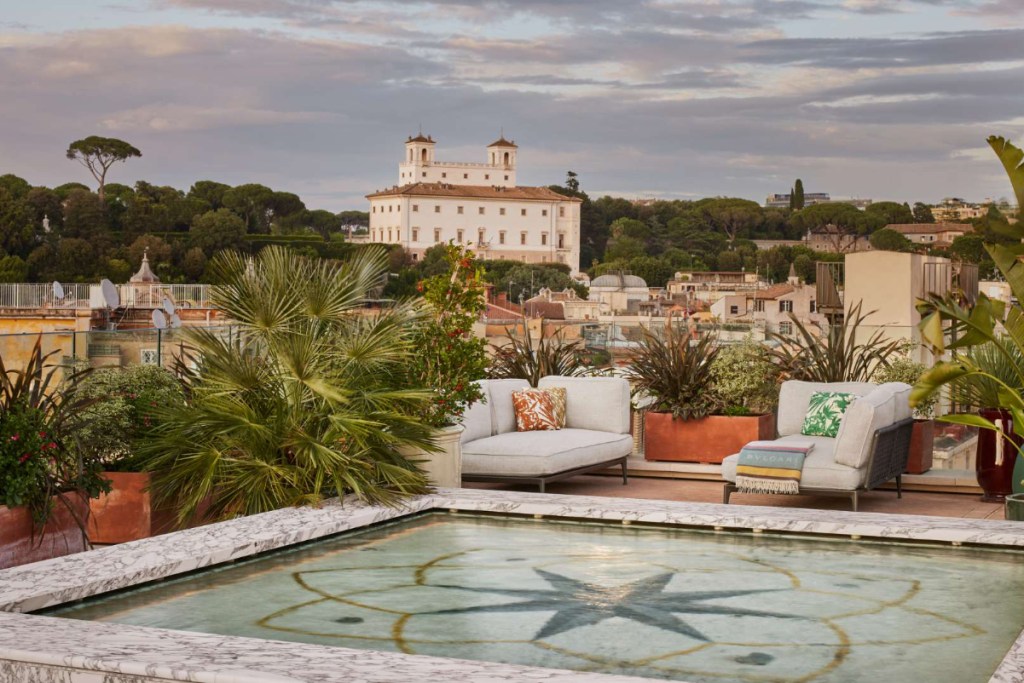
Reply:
x=126, y=513
x=444, y=468
x=60, y=536
x=710, y=439
x=995, y=473
x=922, y=447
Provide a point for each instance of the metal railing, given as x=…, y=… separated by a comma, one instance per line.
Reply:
x=89, y=296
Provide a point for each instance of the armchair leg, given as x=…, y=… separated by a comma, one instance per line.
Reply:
x=853, y=497
x=625, y=475
x=899, y=485
x=542, y=486
x=726, y=492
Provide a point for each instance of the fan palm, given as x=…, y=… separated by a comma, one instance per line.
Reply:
x=305, y=402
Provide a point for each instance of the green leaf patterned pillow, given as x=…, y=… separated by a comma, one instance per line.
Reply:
x=825, y=413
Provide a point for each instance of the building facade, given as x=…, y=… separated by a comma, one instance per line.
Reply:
x=478, y=205
x=934, y=235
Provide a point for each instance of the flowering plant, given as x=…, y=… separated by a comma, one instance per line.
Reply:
x=448, y=357
x=25, y=448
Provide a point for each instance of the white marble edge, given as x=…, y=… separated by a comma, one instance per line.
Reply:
x=173, y=655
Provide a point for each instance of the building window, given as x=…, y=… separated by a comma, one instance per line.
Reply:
x=415, y=234
x=465, y=176
x=814, y=306
x=501, y=237
x=480, y=210
x=785, y=307
x=458, y=210
x=543, y=212
x=487, y=176
x=437, y=235
x=390, y=208
x=389, y=234
x=424, y=174
x=480, y=236
x=544, y=239
x=522, y=240
x=561, y=212
x=415, y=257
x=375, y=209
x=759, y=306
x=506, y=177
x=522, y=212
x=786, y=328
x=415, y=208
x=458, y=236
x=398, y=208
x=437, y=208
x=734, y=310
x=444, y=175
x=561, y=240
x=501, y=212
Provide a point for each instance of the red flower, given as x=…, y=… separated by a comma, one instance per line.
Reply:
x=23, y=458
x=419, y=286
x=14, y=437
x=42, y=435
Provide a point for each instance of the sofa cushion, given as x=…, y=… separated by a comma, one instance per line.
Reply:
x=503, y=415
x=825, y=413
x=535, y=410
x=535, y=454
x=598, y=403
x=902, y=392
x=820, y=469
x=794, y=397
x=477, y=421
x=867, y=415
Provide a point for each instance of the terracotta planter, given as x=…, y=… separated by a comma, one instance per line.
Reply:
x=126, y=513
x=444, y=469
x=922, y=447
x=709, y=440
x=995, y=474
x=61, y=535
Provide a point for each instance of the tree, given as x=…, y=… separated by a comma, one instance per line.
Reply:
x=85, y=216
x=843, y=223
x=216, y=230
x=891, y=213
x=210, y=192
x=194, y=264
x=159, y=251
x=323, y=222
x=624, y=248
x=13, y=269
x=98, y=154
x=571, y=181
x=729, y=261
x=797, y=198
x=254, y=203
x=76, y=260
x=17, y=187
x=887, y=239
x=923, y=213
x=734, y=217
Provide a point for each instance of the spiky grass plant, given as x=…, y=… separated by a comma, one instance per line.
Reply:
x=303, y=402
x=520, y=358
x=676, y=371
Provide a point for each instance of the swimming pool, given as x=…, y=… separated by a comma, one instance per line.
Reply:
x=652, y=602
x=36, y=647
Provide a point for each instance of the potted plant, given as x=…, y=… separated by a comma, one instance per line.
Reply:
x=902, y=368
x=45, y=483
x=688, y=418
x=951, y=323
x=305, y=400
x=448, y=358
x=520, y=358
x=125, y=405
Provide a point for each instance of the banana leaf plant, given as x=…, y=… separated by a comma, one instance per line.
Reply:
x=988, y=322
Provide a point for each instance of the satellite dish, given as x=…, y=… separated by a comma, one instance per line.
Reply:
x=58, y=290
x=159, y=319
x=175, y=321
x=110, y=295
x=168, y=306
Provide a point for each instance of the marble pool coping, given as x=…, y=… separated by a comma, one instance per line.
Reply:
x=34, y=647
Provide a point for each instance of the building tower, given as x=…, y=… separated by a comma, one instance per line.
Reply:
x=419, y=154
x=502, y=154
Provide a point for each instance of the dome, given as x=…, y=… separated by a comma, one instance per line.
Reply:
x=145, y=274
x=618, y=281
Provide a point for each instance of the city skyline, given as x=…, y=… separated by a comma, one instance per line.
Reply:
x=888, y=99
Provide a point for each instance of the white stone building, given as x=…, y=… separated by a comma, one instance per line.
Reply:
x=475, y=204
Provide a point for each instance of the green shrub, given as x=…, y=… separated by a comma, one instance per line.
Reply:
x=745, y=378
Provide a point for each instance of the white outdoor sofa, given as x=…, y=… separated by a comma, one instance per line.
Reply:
x=596, y=434
x=870, y=449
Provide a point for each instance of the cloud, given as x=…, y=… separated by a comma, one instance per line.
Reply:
x=174, y=117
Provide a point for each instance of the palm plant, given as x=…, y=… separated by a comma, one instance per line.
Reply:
x=977, y=325
x=676, y=372
x=520, y=358
x=305, y=402
x=838, y=355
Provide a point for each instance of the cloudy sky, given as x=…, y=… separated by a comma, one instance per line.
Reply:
x=890, y=99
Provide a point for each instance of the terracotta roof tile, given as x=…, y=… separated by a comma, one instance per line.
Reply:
x=474, y=192
x=502, y=142
x=774, y=292
x=929, y=228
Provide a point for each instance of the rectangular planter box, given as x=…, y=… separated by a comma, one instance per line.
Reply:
x=126, y=513
x=709, y=440
x=922, y=447
x=60, y=536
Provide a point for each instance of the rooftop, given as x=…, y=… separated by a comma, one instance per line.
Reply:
x=474, y=192
x=929, y=228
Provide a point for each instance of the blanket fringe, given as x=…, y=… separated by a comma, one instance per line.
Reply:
x=758, y=485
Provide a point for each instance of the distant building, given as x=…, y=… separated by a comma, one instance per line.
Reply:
x=618, y=292
x=956, y=209
x=770, y=308
x=781, y=201
x=934, y=235
x=477, y=205
x=834, y=241
x=564, y=305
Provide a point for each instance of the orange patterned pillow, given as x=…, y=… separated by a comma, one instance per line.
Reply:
x=535, y=410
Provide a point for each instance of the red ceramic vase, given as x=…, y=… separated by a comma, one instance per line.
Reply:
x=996, y=479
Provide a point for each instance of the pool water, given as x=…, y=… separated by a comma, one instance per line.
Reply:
x=655, y=602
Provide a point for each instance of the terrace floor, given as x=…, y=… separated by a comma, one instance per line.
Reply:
x=686, y=490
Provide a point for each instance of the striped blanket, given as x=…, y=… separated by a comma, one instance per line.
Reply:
x=771, y=466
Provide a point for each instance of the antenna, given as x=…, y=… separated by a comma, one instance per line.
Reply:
x=110, y=295
x=58, y=290
x=159, y=319
x=175, y=321
x=168, y=306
